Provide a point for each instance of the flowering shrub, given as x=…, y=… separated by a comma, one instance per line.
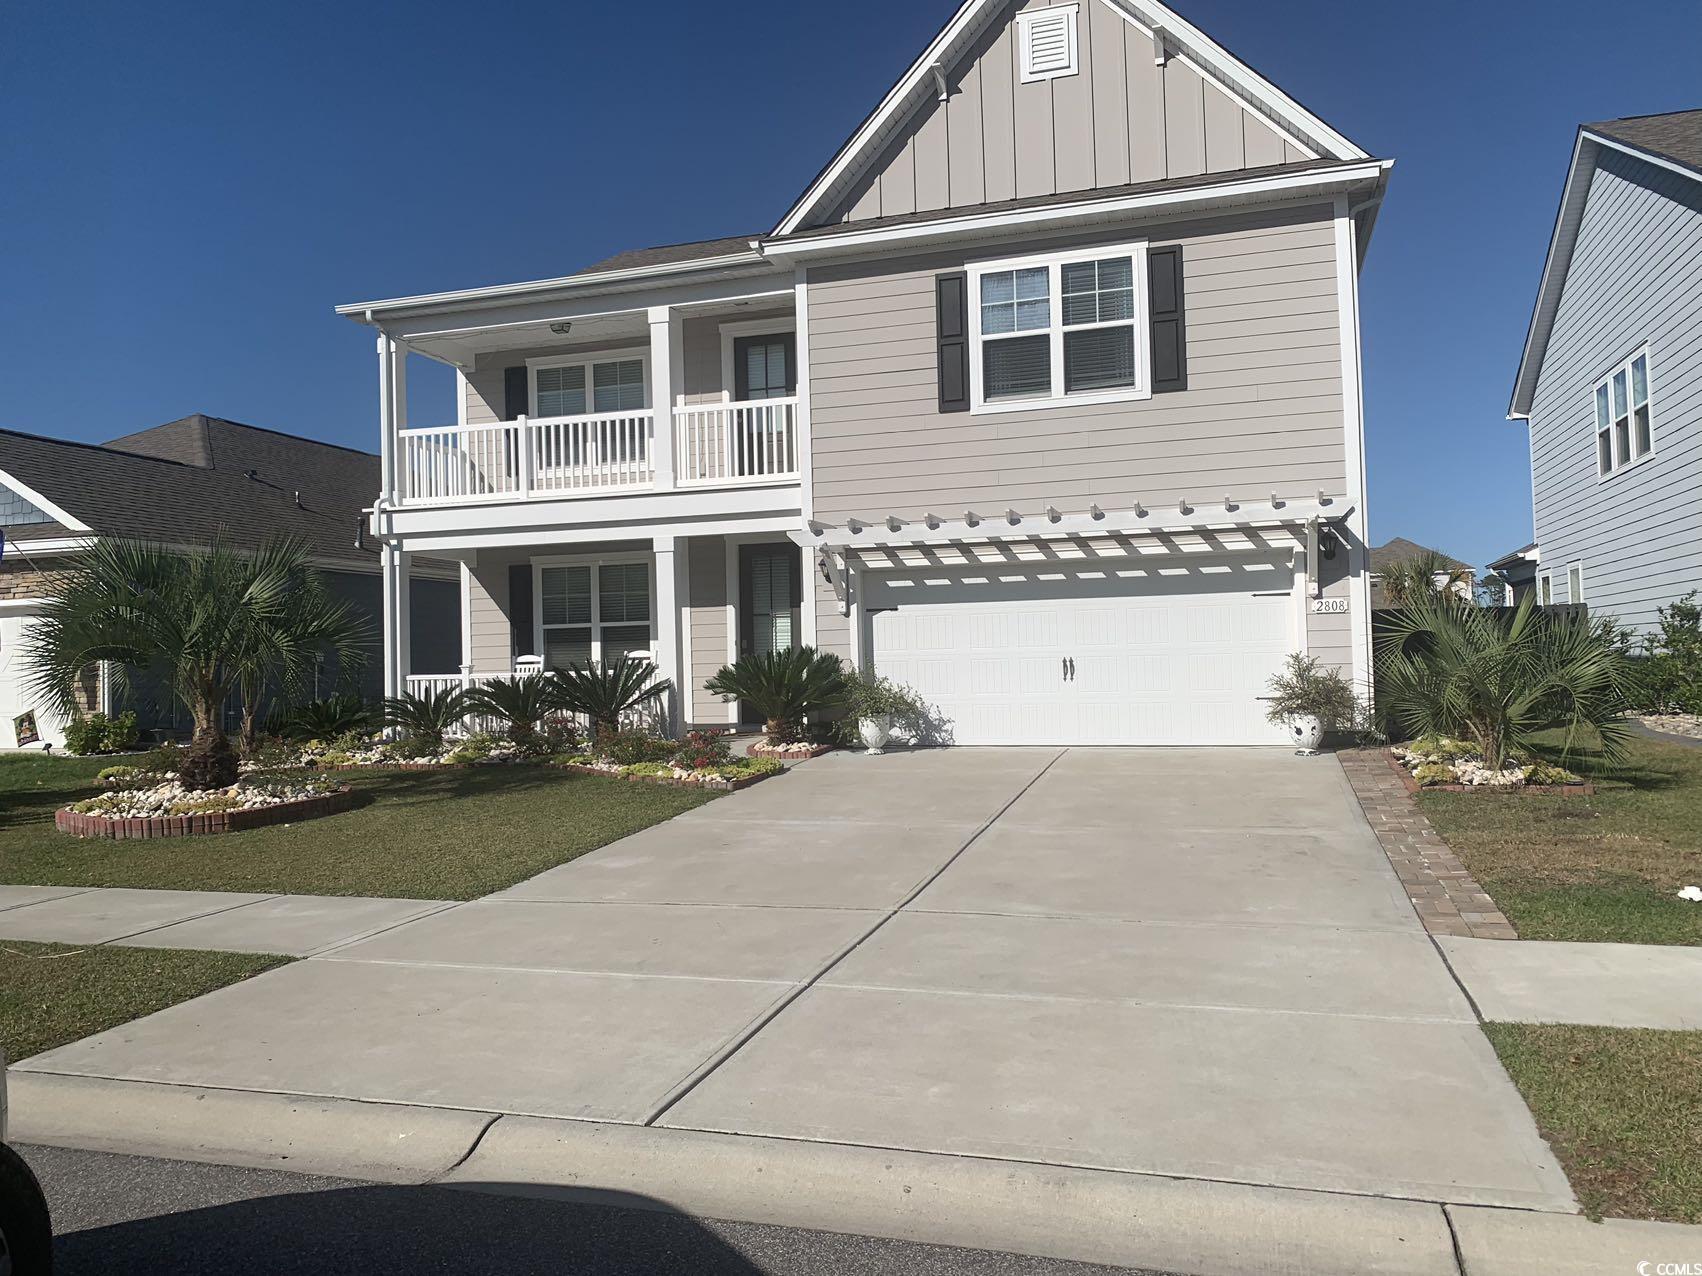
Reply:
x=702, y=749
x=624, y=748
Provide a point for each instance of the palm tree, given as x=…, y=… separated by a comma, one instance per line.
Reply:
x=1498, y=681
x=201, y=619
x=1423, y=575
x=426, y=717
x=785, y=687
x=522, y=702
x=607, y=691
x=314, y=622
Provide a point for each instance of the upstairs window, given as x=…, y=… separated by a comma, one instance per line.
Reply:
x=1624, y=427
x=1068, y=328
x=1047, y=41
x=577, y=386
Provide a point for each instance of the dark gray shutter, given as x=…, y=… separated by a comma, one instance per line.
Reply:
x=516, y=393
x=951, y=316
x=1169, y=334
x=521, y=637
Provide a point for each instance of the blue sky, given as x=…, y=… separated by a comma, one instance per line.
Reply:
x=186, y=191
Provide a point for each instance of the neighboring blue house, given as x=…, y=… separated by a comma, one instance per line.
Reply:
x=1611, y=379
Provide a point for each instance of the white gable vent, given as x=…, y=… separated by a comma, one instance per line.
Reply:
x=1047, y=40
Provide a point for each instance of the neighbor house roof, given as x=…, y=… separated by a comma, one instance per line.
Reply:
x=187, y=480
x=1399, y=550
x=1526, y=555
x=1672, y=141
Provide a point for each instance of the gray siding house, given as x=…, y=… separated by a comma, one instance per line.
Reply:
x=1610, y=384
x=1043, y=397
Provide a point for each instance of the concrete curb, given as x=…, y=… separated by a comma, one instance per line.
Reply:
x=390, y=1143
x=1097, y=1216
x=1514, y=1243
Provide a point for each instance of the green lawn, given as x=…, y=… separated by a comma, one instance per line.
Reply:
x=1620, y=1108
x=1603, y=868
x=417, y=834
x=53, y=993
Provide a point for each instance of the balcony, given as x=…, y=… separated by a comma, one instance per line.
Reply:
x=553, y=458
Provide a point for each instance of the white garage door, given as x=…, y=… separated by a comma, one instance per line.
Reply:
x=1153, y=660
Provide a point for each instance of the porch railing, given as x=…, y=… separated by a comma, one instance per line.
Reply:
x=527, y=458
x=750, y=442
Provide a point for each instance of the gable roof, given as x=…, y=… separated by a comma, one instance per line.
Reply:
x=1672, y=141
x=1400, y=549
x=1528, y=554
x=190, y=479
x=966, y=25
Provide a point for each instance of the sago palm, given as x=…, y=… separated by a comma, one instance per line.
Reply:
x=425, y=717
x=607, y=691
x=522, y=702
x=786, y=687
x=199, y=619
x=1447, y=667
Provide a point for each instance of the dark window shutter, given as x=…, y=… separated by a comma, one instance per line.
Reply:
x=516, y=393
x=521, y=637
x=951, y=315
x=1169, y=330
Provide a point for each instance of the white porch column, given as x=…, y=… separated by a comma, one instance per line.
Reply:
x=467, y=612
x=668, y=646
x=667, y=362
x=392, y=411
x=397, y=637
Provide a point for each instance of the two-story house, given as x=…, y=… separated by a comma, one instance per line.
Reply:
x=1610, y=383
x=1043, y=398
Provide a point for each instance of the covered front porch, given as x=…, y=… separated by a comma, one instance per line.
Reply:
x=688, y=603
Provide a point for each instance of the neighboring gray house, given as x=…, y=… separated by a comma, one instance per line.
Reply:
x=1043, y=397
x=1517, y=573
x=1611, y=379
x=182, y=483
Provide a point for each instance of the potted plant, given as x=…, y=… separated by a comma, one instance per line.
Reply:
x=1308, y=700
x=879, y=706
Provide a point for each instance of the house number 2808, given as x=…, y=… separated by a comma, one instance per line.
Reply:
x=1329, y=606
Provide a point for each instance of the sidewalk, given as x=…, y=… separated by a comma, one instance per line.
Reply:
x=1611, y=985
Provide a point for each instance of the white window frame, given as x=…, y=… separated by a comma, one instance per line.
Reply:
x=1068, y=14
x=1545, y=588
x=595, y=562
x=779, y=326
x=1575, y=595
x=1136, y=251
x=1619, y=467
x=586, y=361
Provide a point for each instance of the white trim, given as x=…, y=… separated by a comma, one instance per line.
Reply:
x=1300, y=594
x=1575, y=596
x=461, y=386
x=596, y=562
x=1067, y=16
x=1136, y=251
x=623, y=354
x=1278, y=185
x=1545, y=588
x=1605, y=382
x=43, y=504
x=1353, y=429
x=777, y=326
x=467, y=610
x=21, y=606
x=954, y=38
x=49, y=547
x=1659, y=161
x=806, y=458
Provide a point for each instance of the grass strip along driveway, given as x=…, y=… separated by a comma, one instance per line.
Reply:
x=1606, y=868
x=1619, y=1107
x=454, y=834
x=54, y=993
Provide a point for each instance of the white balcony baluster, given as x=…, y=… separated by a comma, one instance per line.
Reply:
x=737, y=443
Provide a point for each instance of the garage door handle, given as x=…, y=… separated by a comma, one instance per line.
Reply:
x=1065, y=667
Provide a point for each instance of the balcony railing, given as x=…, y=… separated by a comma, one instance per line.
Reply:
x=715, y=445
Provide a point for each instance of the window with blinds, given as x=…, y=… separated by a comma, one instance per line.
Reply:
x=1062, y=328
x=561, y=388
x=771, y=602
x=591, y=612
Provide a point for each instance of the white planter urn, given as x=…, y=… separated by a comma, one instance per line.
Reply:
x=875, y=733
x=1306, y=731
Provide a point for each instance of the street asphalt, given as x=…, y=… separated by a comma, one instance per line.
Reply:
x=129, y=1214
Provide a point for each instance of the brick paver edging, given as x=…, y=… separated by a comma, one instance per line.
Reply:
x=788, y=753
x=81, y=825
x=1446, y=897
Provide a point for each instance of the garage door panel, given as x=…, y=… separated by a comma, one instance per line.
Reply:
x=1180, y=666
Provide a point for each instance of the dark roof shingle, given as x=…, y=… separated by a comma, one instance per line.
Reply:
x=1400, y=549
x=670, y=254
x=1676, y=136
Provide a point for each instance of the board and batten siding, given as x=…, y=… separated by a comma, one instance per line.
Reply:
x=1634, y=281
x=1120, y=119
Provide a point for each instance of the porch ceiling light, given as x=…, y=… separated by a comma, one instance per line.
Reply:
x=561, y=329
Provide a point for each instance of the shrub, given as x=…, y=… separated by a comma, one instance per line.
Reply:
x=1305, y=688
x=647, y=768
x=702, y=749
x=1497, y=681
x=338, y=715
x=127, y=777
x=475, y=748
x=424, y=718
x=1547, y=773
x=521, y=702
x=1670, y=676
x=742, y=768
x=788, y=688
x=868, y=695
x=624, y=748
x=163, y=759
x=98, y=733
x=609, y=691
x=1434, y=773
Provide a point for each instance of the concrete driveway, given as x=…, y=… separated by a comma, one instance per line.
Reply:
x=1187, y=963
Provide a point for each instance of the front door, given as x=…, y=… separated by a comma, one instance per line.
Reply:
x=770, y=587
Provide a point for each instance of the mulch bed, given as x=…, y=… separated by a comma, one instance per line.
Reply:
x=1582, y=789
x=718, y=783
x=133, y=827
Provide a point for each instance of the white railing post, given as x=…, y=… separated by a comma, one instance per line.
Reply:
x=666, y=360
x=523, y=444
